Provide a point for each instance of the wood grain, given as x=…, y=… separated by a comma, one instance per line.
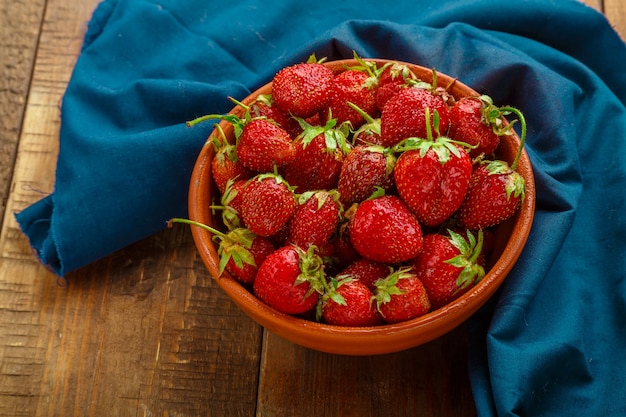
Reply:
x=143, y=332
x=615, y=11
x=146, y=331
x=20, y=23
x=303, y=382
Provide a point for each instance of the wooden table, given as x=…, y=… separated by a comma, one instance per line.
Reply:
x=146, y=331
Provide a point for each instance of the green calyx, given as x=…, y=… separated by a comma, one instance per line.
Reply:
x=330, y=293
x=515, y=184
x=221, y=145
x=279, y=179
x=321, y=195
x=467, y=259
x=443, y=146
x=234, y=245
x=313, y=59
x=230, y=216
x=311, y=270
x=401, y=71
x=387, y=287
x=334, y=137
x=368, y=67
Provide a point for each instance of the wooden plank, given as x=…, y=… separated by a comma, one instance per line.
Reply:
x=19, y=32
x=299, y=381
x=615, y=11
x=145, y=331
x=596, y=4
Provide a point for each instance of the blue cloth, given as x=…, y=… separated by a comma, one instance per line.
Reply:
x=553, y=340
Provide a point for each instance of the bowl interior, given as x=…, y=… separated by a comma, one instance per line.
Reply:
x=510, y=238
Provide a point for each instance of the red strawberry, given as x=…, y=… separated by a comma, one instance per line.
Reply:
x=302, y=89
x=496, y=190
x=478, y=122
x=351, y=86
x=366, y=271
x=401, y=296
x=263, y=145
x=404, y=115
x=348, y=302
x=320, y=152
x=290, y=280
x=226, y=166
x=267, y=204
x=432, y=177
x=392, y=79
x=264, y=106
x=448, y=266
x=495, y=193
x=315, y=219
x=364, y=169
x=383, y=229
x=240, y=251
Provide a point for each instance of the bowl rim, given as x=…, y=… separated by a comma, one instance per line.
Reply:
x=358, y=340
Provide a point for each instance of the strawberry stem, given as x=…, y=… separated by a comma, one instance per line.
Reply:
x=429, y=132
x=522, y=120
x=368, y=119
x=204, y=118
x=195, y=223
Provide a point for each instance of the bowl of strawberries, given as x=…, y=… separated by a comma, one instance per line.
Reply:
x=361, y=206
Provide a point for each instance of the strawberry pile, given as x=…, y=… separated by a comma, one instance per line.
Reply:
x=361, y=197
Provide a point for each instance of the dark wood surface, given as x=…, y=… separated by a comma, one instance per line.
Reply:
x=146, y=331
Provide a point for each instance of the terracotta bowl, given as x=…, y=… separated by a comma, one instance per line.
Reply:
x=510, y=239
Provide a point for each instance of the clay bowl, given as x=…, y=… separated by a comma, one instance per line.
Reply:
x=510, y=239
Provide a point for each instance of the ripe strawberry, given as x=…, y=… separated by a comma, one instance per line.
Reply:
x=315, y=219
x=366, y=271
x=348, y=302
x=432, y=177
x=225, y=164
x=264, y=106
x=478, y=122
x=404, y=115
x=495, y=193
x=496, y=190
x=401, y=296
x=263, y=145
x=383, y=229
x=351, y=86
x=320, y=151
x=290, y=280
x=240, y=251
x=302, y=89
x=392, y=79
x=267, y=204
x=448, y=266
x=364, y=169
